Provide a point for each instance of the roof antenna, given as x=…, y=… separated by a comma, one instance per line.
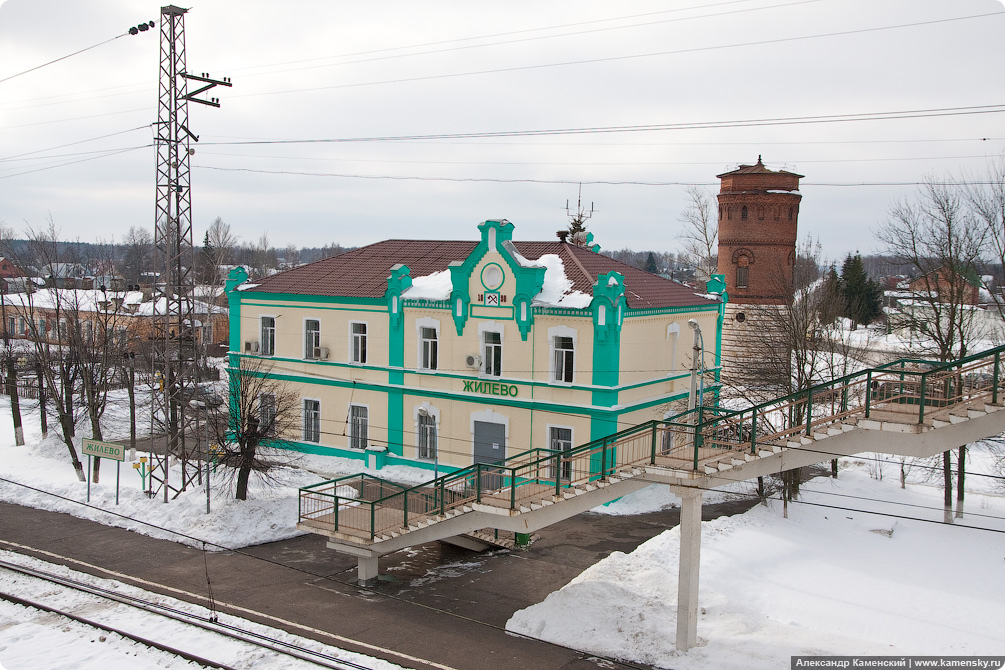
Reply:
x=577, y=220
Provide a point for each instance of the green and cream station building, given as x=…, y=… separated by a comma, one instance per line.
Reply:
x=418, y=352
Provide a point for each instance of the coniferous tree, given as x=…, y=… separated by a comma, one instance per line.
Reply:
x=863, y=297
x=651, y=266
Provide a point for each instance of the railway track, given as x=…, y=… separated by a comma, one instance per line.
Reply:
x=281, y=648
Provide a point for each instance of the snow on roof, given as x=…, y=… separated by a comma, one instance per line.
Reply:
x=95, y=300
x=557, y=288
x=436, y=286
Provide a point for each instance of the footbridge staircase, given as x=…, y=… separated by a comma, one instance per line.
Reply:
x=908, y=407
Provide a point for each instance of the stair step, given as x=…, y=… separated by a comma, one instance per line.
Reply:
x=975, y=413
x=749, y=457
x=834, y=430
x=956, y=418
x=524, y=510
x=545, y=503
x=988, y=407
x=724, y=466
x=737, y=461
x=536, y=506
x=613, y=480
x=939, y=423
x=710, y=470
x=778, y=450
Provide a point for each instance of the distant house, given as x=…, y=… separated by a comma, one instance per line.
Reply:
x=47, y=314
x=942, y=283
x=8, y=270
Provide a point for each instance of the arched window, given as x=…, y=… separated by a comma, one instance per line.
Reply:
x=743, y=213
x=742, y=272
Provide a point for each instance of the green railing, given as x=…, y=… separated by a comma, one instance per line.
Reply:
x=910, y=389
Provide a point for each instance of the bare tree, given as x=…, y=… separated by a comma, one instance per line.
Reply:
x=700, y=235
x=261, y=415
x=943, y=243
x=138, y=254
x=985, y=197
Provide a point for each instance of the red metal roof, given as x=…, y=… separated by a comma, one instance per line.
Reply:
x=363, y=272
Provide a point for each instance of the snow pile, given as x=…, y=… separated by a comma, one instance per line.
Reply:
x=557, y=288
x=436, y=286
x=824, y=581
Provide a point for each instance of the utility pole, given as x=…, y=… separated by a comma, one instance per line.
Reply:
x=176, y=356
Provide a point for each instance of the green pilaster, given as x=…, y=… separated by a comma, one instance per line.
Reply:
x=235, y=278
x=608, y=308
x=399, y=281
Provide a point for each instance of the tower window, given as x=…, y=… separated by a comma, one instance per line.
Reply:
x=790, y=213
x=742, y=272
x=743, y=213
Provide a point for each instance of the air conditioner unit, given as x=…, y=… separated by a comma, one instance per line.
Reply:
x=251, y=347
x=321, y=353
x=473, y=361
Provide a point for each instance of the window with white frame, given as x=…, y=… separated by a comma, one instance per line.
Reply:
x=358, y=342
x=564, y=359
x=42, y=327
x=428, y=348
x=312, y=338
x=493, y=353
x=427, y=435
x=266, y=414
x=673, y=334
x=22, y=329
x=560, y=439
x=268, y=346
x=359, y=424
x=11, y=324
x=312, y=420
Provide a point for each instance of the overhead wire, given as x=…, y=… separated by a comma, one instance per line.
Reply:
x=610, y=59
x=62, y=58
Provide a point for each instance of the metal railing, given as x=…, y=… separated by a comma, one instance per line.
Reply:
x=908, y=390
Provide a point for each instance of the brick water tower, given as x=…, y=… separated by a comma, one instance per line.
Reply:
x=758, y=217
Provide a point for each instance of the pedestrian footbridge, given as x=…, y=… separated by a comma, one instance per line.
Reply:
x=909, y=407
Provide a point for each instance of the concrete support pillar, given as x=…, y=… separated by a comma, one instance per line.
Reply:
x=366, y=569
x=687, y=576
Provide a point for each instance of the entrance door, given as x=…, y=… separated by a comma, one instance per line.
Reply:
x=490, y=447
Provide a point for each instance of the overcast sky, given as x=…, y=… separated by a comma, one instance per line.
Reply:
x=322, y=70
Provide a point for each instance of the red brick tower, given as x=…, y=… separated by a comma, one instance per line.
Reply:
x=758, y=215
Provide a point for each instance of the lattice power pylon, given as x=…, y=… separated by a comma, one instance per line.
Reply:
x=175, y=352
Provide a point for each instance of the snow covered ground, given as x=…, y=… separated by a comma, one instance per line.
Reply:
x=824, y=581
x=30, y=638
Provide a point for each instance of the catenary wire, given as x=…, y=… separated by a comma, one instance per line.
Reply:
x=62, y=58
x=610, y=59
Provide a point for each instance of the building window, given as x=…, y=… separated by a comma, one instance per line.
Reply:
x=742, y=272
x=429, y=346
x=312, y=420
x=493, y=354
x=743, y=213
x=564, y=359
x=358, y=342
x=22, y=329
x=427, y=435
x=358, y=424
x=268, y=347
x=42, y=327
x=266, y=414
x=560, y=439
x=88, y=332
x=790, y=213
x=11, y=321
x=62, y=329
x=312, y=339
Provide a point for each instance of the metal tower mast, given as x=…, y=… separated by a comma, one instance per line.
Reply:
x=176, y=353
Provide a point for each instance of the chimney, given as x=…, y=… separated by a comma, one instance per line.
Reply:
x=562, y=234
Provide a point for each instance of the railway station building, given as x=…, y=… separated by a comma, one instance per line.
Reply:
x=442, y=354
